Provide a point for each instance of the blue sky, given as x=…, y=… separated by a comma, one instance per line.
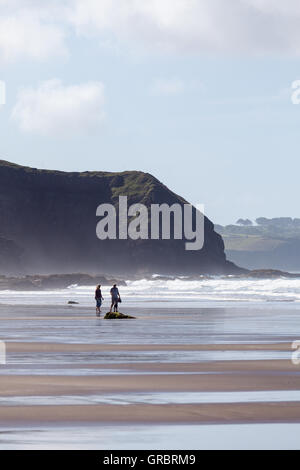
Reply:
x=196, y=94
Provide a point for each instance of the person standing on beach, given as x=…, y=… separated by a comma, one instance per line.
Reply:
x=98, y=298
x=115, y=297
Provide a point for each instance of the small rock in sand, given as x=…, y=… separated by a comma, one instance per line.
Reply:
x=117, y=316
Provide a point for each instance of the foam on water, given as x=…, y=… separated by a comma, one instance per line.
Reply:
x=157, y=398
x=175, y=291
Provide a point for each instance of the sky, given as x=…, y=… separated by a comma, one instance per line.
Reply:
x=196, y=92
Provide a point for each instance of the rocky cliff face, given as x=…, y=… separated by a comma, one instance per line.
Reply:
x=49, y=218
x=10, y=256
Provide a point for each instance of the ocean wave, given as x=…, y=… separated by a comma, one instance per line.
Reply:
x=172, y=290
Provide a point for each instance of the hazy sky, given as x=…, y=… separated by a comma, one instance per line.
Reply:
x=196, y=92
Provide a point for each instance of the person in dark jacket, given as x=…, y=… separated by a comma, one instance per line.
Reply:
x=98, y=298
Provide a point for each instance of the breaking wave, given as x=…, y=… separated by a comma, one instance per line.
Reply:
x=170, y=291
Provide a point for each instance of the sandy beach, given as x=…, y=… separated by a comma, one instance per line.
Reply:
x=134, y=414
x=109, y=378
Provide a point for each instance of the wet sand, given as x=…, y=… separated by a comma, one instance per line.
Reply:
x=239, y=376
x=55, y=359
x=57, y=347
x=206, y=377
x=159, y=414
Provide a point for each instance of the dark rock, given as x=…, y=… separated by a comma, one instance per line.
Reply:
x=61, y=281
x=54, y=281
x=117, y=316
x=51, y=217
x=268, y=274
x=10, y=255
x=71, y=302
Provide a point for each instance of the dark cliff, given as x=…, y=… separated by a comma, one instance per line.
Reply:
x=48, y=224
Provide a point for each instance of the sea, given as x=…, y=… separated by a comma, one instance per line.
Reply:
x=179, y=292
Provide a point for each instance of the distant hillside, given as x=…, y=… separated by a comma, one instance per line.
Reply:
x=48, y=225
x=270, y=243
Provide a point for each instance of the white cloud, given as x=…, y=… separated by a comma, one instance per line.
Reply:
x=29, y=30
x=36, y=29
x=167, y=86
x=234, y=26
x=54, y=109
x=24, y=37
